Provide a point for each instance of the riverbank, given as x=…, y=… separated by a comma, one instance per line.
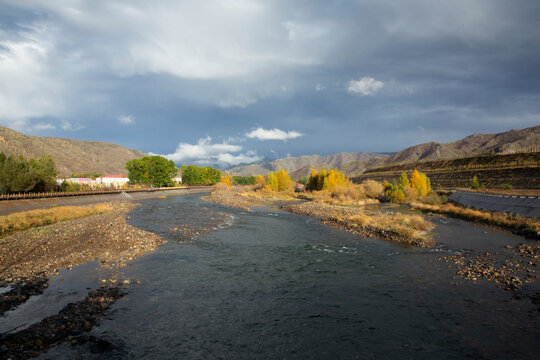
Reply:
x=29, y=257
x=406, y=229
x=521, y=225
x=106, y=237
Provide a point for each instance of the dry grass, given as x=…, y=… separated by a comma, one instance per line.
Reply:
x=34, y=218
x=269, y=195
x=411, y=229
x=351, y=195
x=508, y=221
x=402, y=228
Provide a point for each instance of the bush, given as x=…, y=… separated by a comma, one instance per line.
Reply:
x=474, y=183
x=506, y=187
x=260, y=180
x=372, y=189
x=221, y=186
x=434, y=199
x=410, y=193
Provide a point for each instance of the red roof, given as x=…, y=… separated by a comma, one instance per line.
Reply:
x=114, y=176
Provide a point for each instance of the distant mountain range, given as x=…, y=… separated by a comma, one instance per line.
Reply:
x=70, y=156
x=78, y=156
x=356, y=163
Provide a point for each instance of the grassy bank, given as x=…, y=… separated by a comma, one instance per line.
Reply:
x=519, y=224
x=34, y=218
x=402, y=228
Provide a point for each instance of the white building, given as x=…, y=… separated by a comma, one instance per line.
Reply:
x=81, y=181
x=116, y=181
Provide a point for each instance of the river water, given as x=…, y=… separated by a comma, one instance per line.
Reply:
x=272, y=285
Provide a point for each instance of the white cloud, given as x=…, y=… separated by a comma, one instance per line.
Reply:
x=67, y=126
x=272, y=134
x=27, y=88
x=206, y=153
x=44, y=126
x=319, y=87
x=126, y=119
x=365, y=86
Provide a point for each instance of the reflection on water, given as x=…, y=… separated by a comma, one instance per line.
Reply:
x=274, y=285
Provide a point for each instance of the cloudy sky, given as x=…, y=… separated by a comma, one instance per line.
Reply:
x=234, y=81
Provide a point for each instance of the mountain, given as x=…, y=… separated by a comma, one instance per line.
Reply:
x=70, y=156
x=356, y=163
x=301, y=166
x=476, y=144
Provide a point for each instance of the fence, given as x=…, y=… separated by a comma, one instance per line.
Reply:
x=80, y=193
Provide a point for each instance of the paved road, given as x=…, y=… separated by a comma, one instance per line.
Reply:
x=11, y=206
x=514, y=204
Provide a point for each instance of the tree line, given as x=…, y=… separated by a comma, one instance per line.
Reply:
x=19, y=176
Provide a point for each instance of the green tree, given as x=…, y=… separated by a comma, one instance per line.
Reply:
x=154, y=170
x=474, y=183
x=195, y=175
x=16, y=175
x=403, y=180
x=45, y=170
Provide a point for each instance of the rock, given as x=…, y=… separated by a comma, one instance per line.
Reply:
x=87, y=326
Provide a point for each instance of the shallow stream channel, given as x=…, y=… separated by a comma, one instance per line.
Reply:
x=267, y=284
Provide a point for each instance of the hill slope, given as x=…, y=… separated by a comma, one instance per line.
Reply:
x=356, y=163
x=301, y=165
x=476, y=144
x=70, y=156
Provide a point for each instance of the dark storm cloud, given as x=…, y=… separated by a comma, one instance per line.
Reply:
x=347, y=75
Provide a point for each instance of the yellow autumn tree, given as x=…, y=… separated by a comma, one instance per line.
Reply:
x=260, y=180
x=335, y=179
x=272, y=183
x=421, y=183
x=227, y=180
x=283, y=179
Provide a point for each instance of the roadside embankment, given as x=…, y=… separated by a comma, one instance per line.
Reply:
x=513, y=204
x=11, y=206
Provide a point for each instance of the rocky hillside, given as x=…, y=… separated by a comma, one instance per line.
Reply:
x=356, y=163
x=476, y=144
x=302, y=165
x=70, y=156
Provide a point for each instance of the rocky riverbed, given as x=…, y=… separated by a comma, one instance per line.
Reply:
x=71, y=324
x=29, y=258
x=510, y=271
x=44, y=251
x=233, y=199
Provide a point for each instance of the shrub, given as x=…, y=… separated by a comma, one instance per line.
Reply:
x=506, y=187
x=221, y=186
x=410, y=193
x=373, y=189
x=260, y=180
x=474, y=183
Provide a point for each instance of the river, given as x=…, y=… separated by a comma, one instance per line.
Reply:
x=272, y=285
